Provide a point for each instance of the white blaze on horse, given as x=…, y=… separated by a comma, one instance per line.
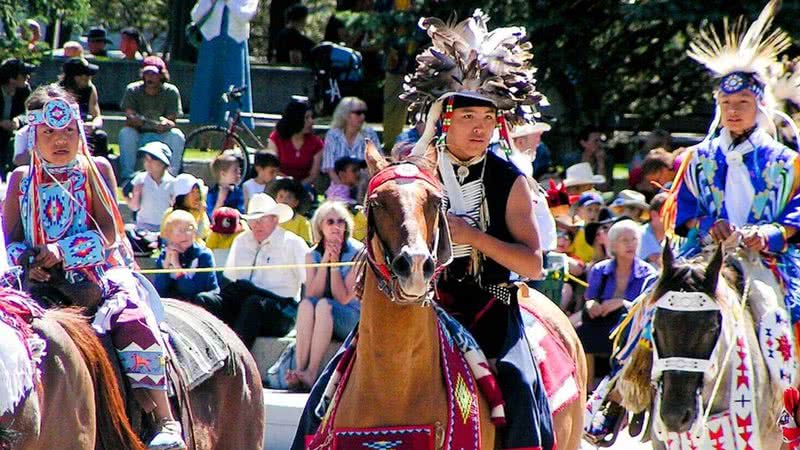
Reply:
x=721, y=357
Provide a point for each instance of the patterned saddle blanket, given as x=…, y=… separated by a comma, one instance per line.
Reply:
x=21, y=350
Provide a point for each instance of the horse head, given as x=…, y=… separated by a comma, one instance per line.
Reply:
x=408, y=242
x=688, y=329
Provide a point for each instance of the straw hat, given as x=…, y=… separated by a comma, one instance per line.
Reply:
x=630, y=198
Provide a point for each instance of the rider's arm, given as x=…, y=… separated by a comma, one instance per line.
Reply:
x=524, y=256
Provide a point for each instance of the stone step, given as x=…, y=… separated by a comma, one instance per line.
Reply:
x=267, y=350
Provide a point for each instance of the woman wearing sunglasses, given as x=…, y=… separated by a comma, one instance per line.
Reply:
x=347, y=135
x=330, y=308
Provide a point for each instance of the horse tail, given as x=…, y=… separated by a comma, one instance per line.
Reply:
x=113, y=428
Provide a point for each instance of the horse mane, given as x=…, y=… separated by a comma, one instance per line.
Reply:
x=113, y=428
x=689, y=275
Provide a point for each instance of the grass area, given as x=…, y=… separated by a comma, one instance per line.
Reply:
x=620, y=172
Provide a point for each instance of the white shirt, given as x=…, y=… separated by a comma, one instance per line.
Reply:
x=252, y=187
x=240, y=13
x=281, y=247
x=155, y=199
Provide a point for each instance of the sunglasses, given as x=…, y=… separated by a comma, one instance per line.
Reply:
x=360, y=112
x=335, y=221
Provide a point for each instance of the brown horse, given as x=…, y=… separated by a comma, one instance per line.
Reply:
x=396, y=377
x=78, y=403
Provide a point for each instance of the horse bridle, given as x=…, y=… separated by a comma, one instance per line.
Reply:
x=683, y=302
x=441, y=248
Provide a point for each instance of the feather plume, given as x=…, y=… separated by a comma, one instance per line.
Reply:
x=741, y=48
x=784, y=79
x=466, y=56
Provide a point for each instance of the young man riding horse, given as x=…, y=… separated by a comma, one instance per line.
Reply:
x=62, y=209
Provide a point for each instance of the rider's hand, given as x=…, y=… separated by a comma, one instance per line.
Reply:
x=49, y=255
x=461, y=232
x=754, y=239
x=594, y=308
x=721, y=230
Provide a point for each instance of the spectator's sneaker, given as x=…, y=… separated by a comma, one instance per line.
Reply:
x=168, y=436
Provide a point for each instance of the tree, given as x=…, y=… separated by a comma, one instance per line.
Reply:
x=12, y=13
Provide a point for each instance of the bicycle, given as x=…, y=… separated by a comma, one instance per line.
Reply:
x=219, y=139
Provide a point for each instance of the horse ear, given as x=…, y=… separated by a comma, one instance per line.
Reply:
x=375, y=161
x=667, y=259
x=712, y=272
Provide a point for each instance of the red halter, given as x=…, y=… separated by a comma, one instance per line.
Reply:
x=410, y=172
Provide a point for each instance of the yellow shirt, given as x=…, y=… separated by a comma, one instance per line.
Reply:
x=221, y=241
x=300, y=226
x=360, y=226
x=581, y=248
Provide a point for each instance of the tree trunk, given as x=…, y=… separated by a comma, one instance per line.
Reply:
x=179, y=48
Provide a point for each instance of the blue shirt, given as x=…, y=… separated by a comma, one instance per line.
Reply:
x=349, y=254
x=188, y=285
x=643, y=275
x=235, y=199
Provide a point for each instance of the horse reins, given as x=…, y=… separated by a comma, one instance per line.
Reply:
x=387, y=280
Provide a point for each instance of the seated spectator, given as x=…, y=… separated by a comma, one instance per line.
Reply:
x=330, y=308
x=348, y=170
x=291, y=45
x=34, y=34
x=77, y=80
x=151, y=105
x=592, y=142
x=227, y=171
x=586, y=210
x=299, y=150
x=188, y=194
x=183, y=252
x=596, y=235
x=71, y=49
x=653, y=235
x=631, y=204
x=569, y=304
x=98, y=40
x=264, y=302
x=528, y=139
x=266, y=167
x=412, y=135
x=612, y=284
x=226, y=224
x=347, y=136
x=14, y=90
x=130, y=43
x=152, y=188
x=289, y=192
x=580, y=178
x=658, y=171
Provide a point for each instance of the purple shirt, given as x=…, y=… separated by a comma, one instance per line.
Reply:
x=643, y=275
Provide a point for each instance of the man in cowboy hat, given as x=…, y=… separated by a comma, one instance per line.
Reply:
x=527, y=138
x=580, y=178
x=97, y=40
x=264, y=302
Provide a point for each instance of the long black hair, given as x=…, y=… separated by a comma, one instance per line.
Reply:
x=293, y=119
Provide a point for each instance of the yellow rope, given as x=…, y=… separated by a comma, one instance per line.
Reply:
x=577, y=280
x=220, y=269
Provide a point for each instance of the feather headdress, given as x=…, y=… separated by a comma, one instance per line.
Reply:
x=785, y=83
x=468, y=58
x=742, y=55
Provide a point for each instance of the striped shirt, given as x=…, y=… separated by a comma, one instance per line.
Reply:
x=336, y=146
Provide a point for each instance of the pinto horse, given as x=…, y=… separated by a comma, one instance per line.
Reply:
x=396, y=377
x=705, y=340
x=77, y=403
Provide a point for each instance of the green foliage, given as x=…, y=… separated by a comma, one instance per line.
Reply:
x=149, y=16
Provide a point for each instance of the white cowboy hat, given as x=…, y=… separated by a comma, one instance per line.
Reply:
x=263, y=205
x=529, y=128
x=582, y=173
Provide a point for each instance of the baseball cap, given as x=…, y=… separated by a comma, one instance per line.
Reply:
x=154, y=64
x=226, y=220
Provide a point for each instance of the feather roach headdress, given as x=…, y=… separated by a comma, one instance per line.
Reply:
x=468, y=60
x=741, y=56
x=785, y=84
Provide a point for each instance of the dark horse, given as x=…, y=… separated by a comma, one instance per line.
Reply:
x=698, y=317
x=78, y=403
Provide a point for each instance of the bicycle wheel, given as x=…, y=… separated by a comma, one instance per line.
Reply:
x=205, y=143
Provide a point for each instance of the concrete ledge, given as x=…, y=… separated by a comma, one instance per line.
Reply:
x=266, y=351
x=282, y=410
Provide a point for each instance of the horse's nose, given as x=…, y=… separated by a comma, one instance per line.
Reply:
x=409, y=262
x=678, y=419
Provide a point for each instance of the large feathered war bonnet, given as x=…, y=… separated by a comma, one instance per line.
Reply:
x=469, y=65
x=741, y=58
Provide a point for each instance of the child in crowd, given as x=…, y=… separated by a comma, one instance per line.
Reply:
x=631, y=204
x=570, y=304
x=266, y=167
x=226, y=224
x=183, y=252
x=151, y=188
x=188, y=194
x=349, y=172
x=586, y=210
x=290, y=192
x=227, y=171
